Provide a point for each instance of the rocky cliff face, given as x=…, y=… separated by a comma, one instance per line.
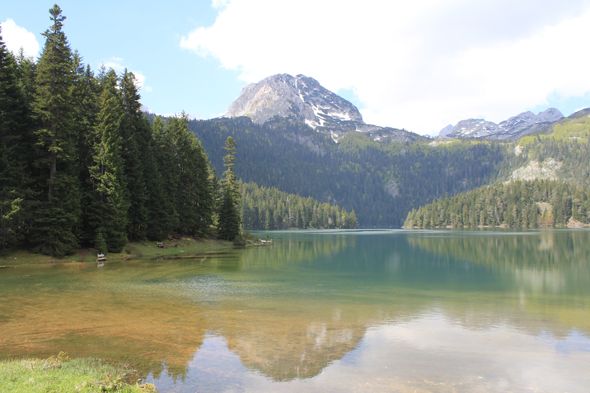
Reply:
x=511, y=129
x=475, y=128
x=445, y=131
x=300, y=98
x=303, y=99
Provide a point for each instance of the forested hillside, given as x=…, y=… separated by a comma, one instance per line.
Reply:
x=381, y=182
x=560, y=152
x=568, y=143
x=521, y=204
x=269, y=208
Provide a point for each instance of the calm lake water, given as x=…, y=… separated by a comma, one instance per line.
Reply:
x=325, y=311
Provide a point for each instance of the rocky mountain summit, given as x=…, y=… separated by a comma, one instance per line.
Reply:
x=511, y=129
x=303, y=99
x=446, y=131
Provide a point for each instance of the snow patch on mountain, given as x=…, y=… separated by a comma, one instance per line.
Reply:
x=513, y=128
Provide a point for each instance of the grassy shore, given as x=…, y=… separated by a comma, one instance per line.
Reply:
x=134, y=250
x=60, y=374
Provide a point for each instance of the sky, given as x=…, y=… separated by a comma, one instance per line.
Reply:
x=413, y=65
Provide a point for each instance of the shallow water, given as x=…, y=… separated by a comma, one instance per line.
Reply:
x=325, y=311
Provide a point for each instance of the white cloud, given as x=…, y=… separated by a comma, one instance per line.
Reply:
x=115, y=64
x=219, y=4
x=16, y=37
x=417, y=65
x=140, y=80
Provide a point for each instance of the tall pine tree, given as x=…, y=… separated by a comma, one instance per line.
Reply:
x=136, y=134
x=186, y=173
x=228, y=210
x=85, y=96
x=110, y=201
x=159, y=206
x=57, y=215
x=15, y=149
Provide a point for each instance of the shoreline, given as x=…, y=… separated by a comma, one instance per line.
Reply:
x=132, y=250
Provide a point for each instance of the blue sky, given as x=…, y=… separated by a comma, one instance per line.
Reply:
x=145, y=38
x=418, y=66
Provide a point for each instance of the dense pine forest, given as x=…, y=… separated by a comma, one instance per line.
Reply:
x=521, y=204
x=269, y=208
x=380, y=182
x=81, y=165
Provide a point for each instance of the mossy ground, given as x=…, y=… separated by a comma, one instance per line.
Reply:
x=133, y=250
x=60, y=374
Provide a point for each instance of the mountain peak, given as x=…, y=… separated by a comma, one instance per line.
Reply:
x=513, y=128
x=550, y=115
x=301, y=98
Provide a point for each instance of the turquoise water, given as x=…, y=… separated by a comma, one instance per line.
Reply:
x=325, y=311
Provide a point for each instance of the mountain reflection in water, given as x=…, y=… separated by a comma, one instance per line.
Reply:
x=325, y=311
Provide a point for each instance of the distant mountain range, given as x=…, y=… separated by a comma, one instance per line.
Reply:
x=303, y=99
x=299, y=137
x=511, y=129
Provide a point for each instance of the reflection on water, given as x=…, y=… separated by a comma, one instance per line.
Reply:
x=325, y=311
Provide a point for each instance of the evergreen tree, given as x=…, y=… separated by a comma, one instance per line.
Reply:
x=166, y=136
x=109, y=200
x=228, y=226
x=229, y=213
x=26, y=71
x=193, y=199
x=351, y=222
x=136, y=136
x=57, y=216
x=14, y=151
x=85, y=96
x=215, y=194
x=159, y=206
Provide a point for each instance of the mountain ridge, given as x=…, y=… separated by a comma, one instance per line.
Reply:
x=513, y=128
x=303, y=99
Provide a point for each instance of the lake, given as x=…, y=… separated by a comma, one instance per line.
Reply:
x=325, y=311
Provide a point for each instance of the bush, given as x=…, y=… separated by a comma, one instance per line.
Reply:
x=239, y=241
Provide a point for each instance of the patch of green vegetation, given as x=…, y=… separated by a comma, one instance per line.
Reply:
x=574, y=129
x=355, y=142
x=61, y=374
x=567, y=129
x=133, y=250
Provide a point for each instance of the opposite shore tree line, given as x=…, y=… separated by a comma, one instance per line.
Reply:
x=520, y=204
x=269, y=208
x=81, y=165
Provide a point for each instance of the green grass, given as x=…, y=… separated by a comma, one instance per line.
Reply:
x=133, y=250
x=60, y=374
